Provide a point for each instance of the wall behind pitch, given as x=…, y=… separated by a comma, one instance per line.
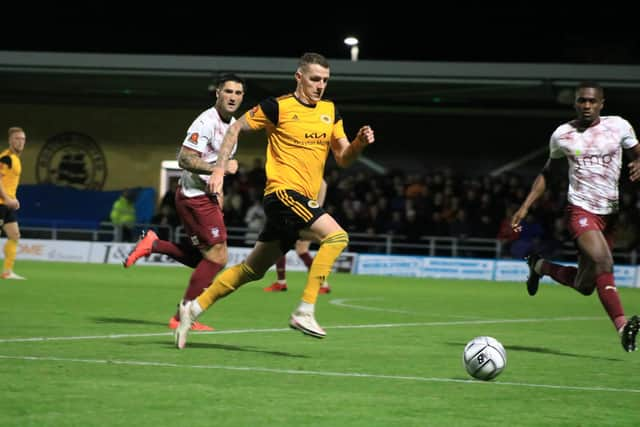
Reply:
x=134, y=141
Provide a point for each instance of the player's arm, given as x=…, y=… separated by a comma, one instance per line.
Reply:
x=232, y=167
x=8, y=200
x=346, y=153
x=228, y=142
x=537, y=190
x=5, y=162
x=634, y=165
x=191, y=160
x=4, y=195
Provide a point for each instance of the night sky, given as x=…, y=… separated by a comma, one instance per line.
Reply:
x=463, y=34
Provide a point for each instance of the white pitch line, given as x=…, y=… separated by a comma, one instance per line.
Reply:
x=271, y=330
x=317, y=373
x=342, y=302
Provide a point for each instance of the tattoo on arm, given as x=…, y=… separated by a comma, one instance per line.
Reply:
x=191, y=161
x=228, y=143
x=230, y=140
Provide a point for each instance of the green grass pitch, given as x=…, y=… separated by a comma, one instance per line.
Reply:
x=88, y=345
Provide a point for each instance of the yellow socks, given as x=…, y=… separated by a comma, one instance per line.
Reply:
x=225, y=283
x=330, y=249
x=10, y=251
x=234, y=277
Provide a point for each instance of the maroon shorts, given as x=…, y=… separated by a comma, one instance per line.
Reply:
x=202, y=218
x=580, y=220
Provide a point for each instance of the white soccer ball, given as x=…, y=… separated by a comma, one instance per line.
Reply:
x=484, y=358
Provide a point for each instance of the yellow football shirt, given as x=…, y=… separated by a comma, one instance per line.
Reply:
x=299, y=139
x=10, y=170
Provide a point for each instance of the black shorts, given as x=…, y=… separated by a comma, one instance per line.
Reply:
x=287, y=213
x=7, y=215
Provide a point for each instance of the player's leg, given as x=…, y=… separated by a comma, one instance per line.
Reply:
x=629, y=333
x=185, y=254
x=302, y=249
x=333, y=241
x=322, y=194
x=149, y=243
x=595, y=249
x=12, y=230
x=576, y=218
x=538, y=267
x=263, y=256
x=563, y=274
x=280, y=285
x=213, y=260
x=205, y=227
x=585, y=277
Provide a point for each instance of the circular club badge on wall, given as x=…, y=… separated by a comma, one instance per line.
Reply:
x=72, y=159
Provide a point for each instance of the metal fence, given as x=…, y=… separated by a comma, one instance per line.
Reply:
x=359, y=242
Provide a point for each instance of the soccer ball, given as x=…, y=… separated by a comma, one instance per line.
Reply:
x=484, y=358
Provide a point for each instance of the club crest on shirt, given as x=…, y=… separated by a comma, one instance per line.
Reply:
x=326, y=119
x=583, y=222
x=313, y=204
x=215, y=232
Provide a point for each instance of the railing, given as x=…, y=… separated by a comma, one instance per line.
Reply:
x=358, y=242
x=107, y=232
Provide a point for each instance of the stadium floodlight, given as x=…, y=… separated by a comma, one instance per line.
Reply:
x=353, y=43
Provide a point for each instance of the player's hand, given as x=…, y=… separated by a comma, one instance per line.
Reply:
x=216, y=179
x=365, y=136
x=517, y=218
x=634, y=170
x=232, y=166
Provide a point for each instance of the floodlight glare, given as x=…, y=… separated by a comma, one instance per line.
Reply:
x=351, y=41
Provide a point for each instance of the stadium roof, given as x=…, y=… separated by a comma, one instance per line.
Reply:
x=448, y=88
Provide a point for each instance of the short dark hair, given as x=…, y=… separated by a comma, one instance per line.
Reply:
x=591, y=85
x=309, y=58
x=221, y=79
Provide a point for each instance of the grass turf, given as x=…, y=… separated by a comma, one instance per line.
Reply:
x=88, y=345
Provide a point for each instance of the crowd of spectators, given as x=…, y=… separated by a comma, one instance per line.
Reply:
x=439, y=203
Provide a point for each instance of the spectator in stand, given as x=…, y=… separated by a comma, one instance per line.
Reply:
x=123, y=215
x=506, y=234
x=257, y=175
x=169, y=198
x=254, y=220
x=166, y=219
x=626, y=234
x=530, y=238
